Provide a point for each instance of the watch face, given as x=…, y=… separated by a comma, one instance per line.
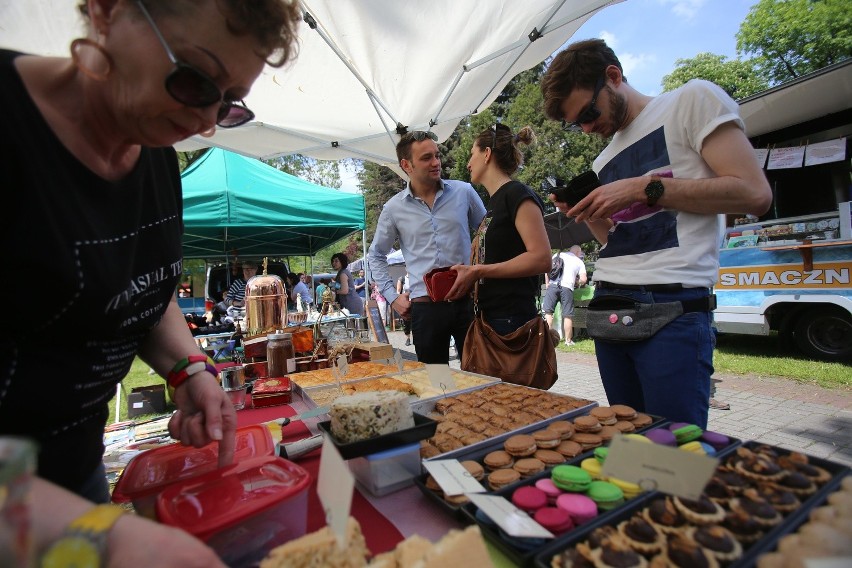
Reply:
x=653, y=191
x=72, y=551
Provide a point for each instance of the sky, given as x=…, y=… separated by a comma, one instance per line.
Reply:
x=649, y=36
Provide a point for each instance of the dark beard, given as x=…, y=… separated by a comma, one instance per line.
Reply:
x=617, y=110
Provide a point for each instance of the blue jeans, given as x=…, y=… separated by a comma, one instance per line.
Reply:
x=96, y=488
x=669, y=374
x=432, y=325
x=505, y=325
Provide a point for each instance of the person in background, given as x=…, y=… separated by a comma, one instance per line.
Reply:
x=562, y=290
x=381, y=302
x=345, y=286
x=298, y=289
x=143, y=76
x=361, y=285
x=321, y=287
x=236, y=296
x=432, y=219
x=403, y=287
x=511, y=246
x=308, y=280
x=675, y=163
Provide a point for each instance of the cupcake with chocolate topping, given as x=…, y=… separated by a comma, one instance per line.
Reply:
x=732, y=479
x=718, y=491
x=718, y=541
x=642, y=536
x=744, y=528
x=797, y=483
x=759, y=467
x=664, y=515
x=701, y=512
x=782, y=500
x=616, y=553
x=815, y=473
x=751, y=503
x=683, y=552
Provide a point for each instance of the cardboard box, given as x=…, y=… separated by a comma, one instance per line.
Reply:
x=150, y=399
x=372, y=351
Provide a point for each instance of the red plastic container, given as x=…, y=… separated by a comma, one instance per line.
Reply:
x=149, y=473
x=242, y=511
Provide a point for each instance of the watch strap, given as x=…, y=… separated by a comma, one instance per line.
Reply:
x=84, y=542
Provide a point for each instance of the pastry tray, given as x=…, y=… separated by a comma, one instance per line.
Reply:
x=751, y=551
x=423, y=428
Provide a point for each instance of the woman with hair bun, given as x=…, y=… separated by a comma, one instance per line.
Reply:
x=510, y=248
x=344, y=285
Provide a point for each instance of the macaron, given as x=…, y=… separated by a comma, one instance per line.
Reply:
x=571, y=478
x=604, y=414
x=546, y=485
x=688, y=433
x=500, y=478
x=600, y=454
x=554, y=519
x=498, y=460
x=547, y=439
x=630, y=490
x=587, y=424
x=625, y=426
x=474, y=468
x=607, y=433
x=520, y=445
x=579, y=507
x=605, y=495
x=569, y=448
x=521, y=543
x=661, y=436
x=708, y=449
x=715, y=439
x=592, y=466
x=675, y=425
x=586, y=440
x=529, y=498
x=694, y=446
x=549, y=457
x=528, y=467
x=637, y=437
x=642, y=420
x=565, y=428
x=624, y=412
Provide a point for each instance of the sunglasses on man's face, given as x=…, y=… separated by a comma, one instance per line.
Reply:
x=589, y=114
x=192, y=87
x=419, y=136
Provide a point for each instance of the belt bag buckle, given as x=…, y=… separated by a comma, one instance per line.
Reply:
x=622, y=319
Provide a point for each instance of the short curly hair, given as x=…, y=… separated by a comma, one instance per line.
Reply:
x=272, y=23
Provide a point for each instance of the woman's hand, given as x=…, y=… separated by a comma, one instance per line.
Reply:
x=204, y=414
x=466, y=278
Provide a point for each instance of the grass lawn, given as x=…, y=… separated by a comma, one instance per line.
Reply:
x=762, y=356
x=138, y=377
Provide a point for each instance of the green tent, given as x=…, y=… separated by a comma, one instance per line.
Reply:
x=236, y=204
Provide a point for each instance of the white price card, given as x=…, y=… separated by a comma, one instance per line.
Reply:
x=343, y=365
x=397, y=358
x=453, y=478
x=508, y=517
x=657, y=467
x=335, y=485
x=441, y=377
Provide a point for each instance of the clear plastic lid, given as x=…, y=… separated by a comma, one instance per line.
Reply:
x=205, y=505
x=151, y=471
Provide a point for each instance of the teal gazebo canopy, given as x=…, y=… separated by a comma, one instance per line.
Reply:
x=233, y=204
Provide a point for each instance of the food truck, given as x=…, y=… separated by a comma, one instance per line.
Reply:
x=789, y=270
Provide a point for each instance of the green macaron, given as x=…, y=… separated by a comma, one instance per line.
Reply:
x=605, y=495
x=570, y=478
x=600, y=454
x=688, y=433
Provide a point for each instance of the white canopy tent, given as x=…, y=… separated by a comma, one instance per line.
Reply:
x=364, y=69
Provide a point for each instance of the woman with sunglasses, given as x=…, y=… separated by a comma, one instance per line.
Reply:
x=86, y=145
x=511, y=248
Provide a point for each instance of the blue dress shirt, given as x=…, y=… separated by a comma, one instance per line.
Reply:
x=429, y=238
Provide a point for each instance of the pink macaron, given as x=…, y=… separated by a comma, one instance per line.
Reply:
x=580, y=508
x=554, y=519
x=529, y=499
x=549, y=489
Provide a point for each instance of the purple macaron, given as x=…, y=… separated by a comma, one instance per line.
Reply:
x=661, y=436
x=676, y=425
x=715, y=439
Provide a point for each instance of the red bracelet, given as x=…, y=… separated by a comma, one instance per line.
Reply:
x=189, y=366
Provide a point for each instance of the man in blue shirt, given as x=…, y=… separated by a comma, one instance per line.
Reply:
x=432, y=219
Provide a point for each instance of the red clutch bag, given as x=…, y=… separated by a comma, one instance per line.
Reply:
x=438, y=283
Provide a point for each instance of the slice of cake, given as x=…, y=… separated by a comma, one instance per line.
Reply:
x=320, y=549
x=369, y=414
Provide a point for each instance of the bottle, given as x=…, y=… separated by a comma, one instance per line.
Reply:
x=280, y=355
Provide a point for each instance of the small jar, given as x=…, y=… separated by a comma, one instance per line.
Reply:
x=280, y=355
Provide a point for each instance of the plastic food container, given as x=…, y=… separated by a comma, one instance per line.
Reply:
x=149, y=473
x=385, y=472
x=242, y=511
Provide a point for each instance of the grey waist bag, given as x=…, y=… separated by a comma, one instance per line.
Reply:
x=623, y=319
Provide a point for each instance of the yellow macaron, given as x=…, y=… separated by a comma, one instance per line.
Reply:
x=592, y=466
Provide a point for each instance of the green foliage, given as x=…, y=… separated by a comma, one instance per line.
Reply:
x=736, y=77
x=378, y=185
x=185, y=159
x=320, y=172
x=793, y=37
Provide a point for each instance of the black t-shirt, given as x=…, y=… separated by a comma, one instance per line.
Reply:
x=507, y=296
x=91, y=267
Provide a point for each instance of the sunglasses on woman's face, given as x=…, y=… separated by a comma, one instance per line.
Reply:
x=588, y=114
x=192, y=87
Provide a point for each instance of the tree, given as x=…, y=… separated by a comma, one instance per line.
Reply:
x=738, y=78
x=793, y=37
x=186, y=159
x=320, y=172
x=378, y=184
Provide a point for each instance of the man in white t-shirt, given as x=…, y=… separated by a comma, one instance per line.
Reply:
x=562, y=290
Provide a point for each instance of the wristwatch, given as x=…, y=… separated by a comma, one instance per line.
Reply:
x=84, y=542
x=654, y=190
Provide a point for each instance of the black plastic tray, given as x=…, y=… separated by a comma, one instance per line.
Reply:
x=751, y=551
x=526, y=558
x=423, y=428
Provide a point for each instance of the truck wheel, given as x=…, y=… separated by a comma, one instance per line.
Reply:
x=825, y=333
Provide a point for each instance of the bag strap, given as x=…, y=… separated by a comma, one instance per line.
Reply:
x=474, y=260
